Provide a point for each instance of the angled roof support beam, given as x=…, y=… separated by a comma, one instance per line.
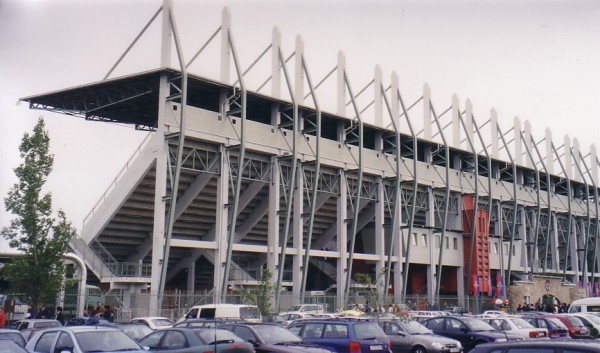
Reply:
x=315, y=191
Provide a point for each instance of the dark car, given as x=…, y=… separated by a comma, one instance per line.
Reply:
x=343, y=335
x=13, y=335
x=469, y=331
x=83, y=321
x=272, y=338
x=207, y=323
x=411, y=336
x=576, y=327
x=135, y=331
x=555, y=327
x=540, y=346
x=195, y=340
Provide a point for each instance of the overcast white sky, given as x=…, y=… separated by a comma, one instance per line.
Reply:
x=534, y=59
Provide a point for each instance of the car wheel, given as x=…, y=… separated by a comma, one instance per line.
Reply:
x=419, y=349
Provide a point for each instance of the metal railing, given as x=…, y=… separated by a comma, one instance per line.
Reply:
x=118, y=177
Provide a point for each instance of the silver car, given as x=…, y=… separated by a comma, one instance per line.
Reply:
x=83, y=339
x=517, y=326
x=411, y=336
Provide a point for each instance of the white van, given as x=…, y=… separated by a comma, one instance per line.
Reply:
x=585, y=305
x=244, y=312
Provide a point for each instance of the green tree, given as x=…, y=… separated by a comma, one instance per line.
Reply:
x=371, y=285
x=261, y=294
x=41, y=238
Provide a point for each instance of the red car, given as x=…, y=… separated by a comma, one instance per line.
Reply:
x=576, y=327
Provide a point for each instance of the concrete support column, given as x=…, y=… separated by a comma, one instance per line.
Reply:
x=594, y=164
x=397, y=233
x=427, y=121
x=469, y=122
x=299, y=77
x=567, y=157
x=380, y=235
x=341, y=85
x=273, y=217
x=160, y=193
x=460, y=283
x=221, y=221
x=549, y=152
x=455, y=122
x=191, y=279
x=342, y=237
x=276, y=64
x=555, y=241
x=517, y=141
x=494, y=133
x=378, y=99
x=225, y=47
x=528, y=143
x=297, y=233
x=578, y=168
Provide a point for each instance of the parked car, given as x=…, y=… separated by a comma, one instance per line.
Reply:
x=206, y=323
x=135, y=331
x=591, y=321
x=272, y=338
x=306, y=309
x=249, y=313
x=35, y=323
x=555, y=327
x=517, y=326
x=274, y=319
x=540, y=346
x=154, y=322
x=9, y=346
x=291, y=317
x=343, y=335
x=195, y=340
x=83, y=321
x=470, y=331
x=576, y=327
x=82, y=339
x=411, y=336
x=13, y=335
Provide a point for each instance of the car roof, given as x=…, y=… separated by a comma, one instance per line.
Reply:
x=151, y=318
x=78, y=329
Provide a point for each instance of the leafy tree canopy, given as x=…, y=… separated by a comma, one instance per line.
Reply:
x=262, y=294
x=41, y=238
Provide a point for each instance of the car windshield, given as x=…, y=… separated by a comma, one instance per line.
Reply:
x=593, y=318
x=15, y=337
x=275, y=334
x=136, y=332
x=162, y=322
x=295, y=308
x=213, y=336
x=249, y=312
x=415, y=328
x=556, y=324
x=520, y=323
x=575, y=321
x=368, y=330
x=105, y=341
x=478, y=325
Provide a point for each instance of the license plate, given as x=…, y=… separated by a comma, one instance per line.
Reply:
x=454, y=350
x=377, y=347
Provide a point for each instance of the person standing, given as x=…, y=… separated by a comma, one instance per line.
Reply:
x=59, y=315
x=29, y=314
x=108, y=314
x=42, y=313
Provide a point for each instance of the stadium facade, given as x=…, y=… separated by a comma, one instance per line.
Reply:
x=231, y=180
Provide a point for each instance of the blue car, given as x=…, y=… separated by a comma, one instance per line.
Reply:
x=469, y=331
x=343, y=335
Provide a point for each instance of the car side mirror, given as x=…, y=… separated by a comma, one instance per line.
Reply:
x=253, y=342
x=400, y=333
x=464, y=330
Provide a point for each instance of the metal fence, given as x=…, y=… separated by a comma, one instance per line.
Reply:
x=176, y=303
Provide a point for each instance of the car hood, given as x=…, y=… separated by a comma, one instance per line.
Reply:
x=292, y=347
x=434, y=338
